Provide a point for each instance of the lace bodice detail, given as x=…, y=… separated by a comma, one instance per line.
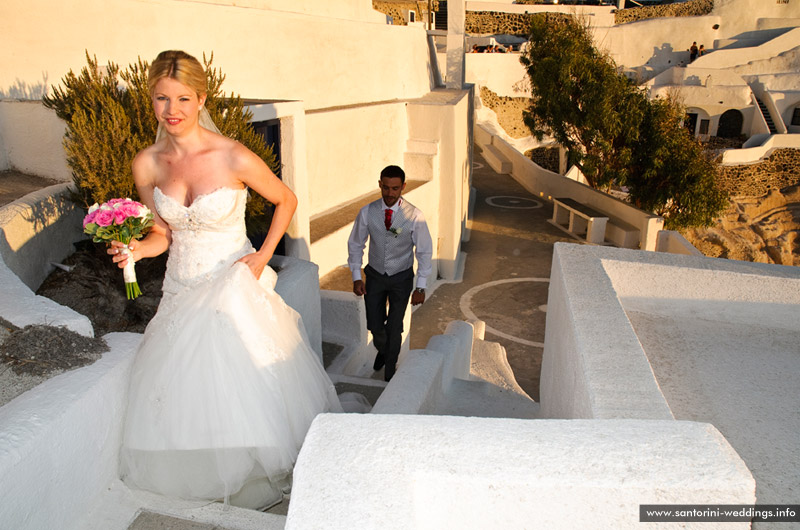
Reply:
x=207, y=236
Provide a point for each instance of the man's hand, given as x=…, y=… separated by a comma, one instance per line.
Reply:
x=418, y=297
x=358, y=288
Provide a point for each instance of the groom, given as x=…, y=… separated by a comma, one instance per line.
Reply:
x=396, y=231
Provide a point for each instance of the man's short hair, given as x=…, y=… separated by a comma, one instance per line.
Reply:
x=394, y=172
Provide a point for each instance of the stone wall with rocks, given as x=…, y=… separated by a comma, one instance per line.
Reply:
x=496, y=23
x=780, y=170
x=546, y=157
x=762, y=221
x=763, y=229
x=509, y=112
x=692, y=8
x=396, y=9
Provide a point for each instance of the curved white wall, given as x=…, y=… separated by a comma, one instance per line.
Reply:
x=264, y=53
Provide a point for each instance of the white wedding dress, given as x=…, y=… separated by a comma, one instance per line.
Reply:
x=225, y=385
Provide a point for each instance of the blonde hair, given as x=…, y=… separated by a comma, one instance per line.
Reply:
x=179, y=66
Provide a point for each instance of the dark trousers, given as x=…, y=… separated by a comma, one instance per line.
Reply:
x=387, y=327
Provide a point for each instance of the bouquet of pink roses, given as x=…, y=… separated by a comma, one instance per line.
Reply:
x=120, y=220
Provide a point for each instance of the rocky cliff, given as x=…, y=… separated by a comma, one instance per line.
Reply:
x=762, y=229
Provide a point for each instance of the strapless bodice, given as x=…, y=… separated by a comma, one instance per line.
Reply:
x=207, y=236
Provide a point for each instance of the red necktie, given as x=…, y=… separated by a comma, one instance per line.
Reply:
x=387, y=220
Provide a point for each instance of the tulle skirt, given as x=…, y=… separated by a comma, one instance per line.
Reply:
x=223, y=390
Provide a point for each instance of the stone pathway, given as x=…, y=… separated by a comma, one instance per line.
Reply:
x=14, y=185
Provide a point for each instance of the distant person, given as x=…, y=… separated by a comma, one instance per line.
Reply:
x=396, y=231
x=474, y=48
x=701, y=51
x=693, y=52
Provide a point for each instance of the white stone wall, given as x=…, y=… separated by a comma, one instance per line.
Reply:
x=360, y=10
x=502, y=73
x=266, y=53
x=59, y=443
x=39, y=229
x=673, y=242
x=658, y=43
x=783, y=92
x=447, y=472
x=31, y=139
x=707, y=92
x=729, y=58
x=744, y=15
x=349, y=148
x=446, y=206
x=664, y=42
x=749, y=155
x=588, y=372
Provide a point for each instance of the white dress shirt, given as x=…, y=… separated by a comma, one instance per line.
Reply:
x=383, y=258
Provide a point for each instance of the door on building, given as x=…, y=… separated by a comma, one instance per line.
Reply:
x=690, y=122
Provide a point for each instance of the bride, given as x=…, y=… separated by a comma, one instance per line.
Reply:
x=224, y=385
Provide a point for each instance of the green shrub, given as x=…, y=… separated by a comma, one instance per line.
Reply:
x=110, y=118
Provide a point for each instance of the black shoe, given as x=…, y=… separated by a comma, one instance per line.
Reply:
x=388, y=373
x=379, y=362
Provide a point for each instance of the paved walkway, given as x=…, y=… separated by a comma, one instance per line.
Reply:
x=14, y=185
x=506, y=276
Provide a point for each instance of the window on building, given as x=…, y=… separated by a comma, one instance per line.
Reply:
x=703, y=127
x=796, y=116
x=270, y=130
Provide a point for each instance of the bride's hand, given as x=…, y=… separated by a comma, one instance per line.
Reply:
x=256, y=261
x=118, y=256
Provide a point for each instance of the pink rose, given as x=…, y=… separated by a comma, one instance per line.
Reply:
x=89, y=218
x=113, y=202
x=130, y=209
x=120, y=216
x=140, y=208
x=104, y=217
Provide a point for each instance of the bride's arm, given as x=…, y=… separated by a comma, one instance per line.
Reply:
x=253, y=172
x=158, y=238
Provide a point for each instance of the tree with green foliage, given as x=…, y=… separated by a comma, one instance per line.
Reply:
x=671, y=175
x=610, y=129
x=110, y=118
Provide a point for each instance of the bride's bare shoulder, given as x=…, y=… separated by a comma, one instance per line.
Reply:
x=145, y=164
x=241, y=157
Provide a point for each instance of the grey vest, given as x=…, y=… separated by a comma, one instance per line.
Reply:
x=392, y=251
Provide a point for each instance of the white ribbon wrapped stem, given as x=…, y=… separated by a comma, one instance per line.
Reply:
x=128, y=271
